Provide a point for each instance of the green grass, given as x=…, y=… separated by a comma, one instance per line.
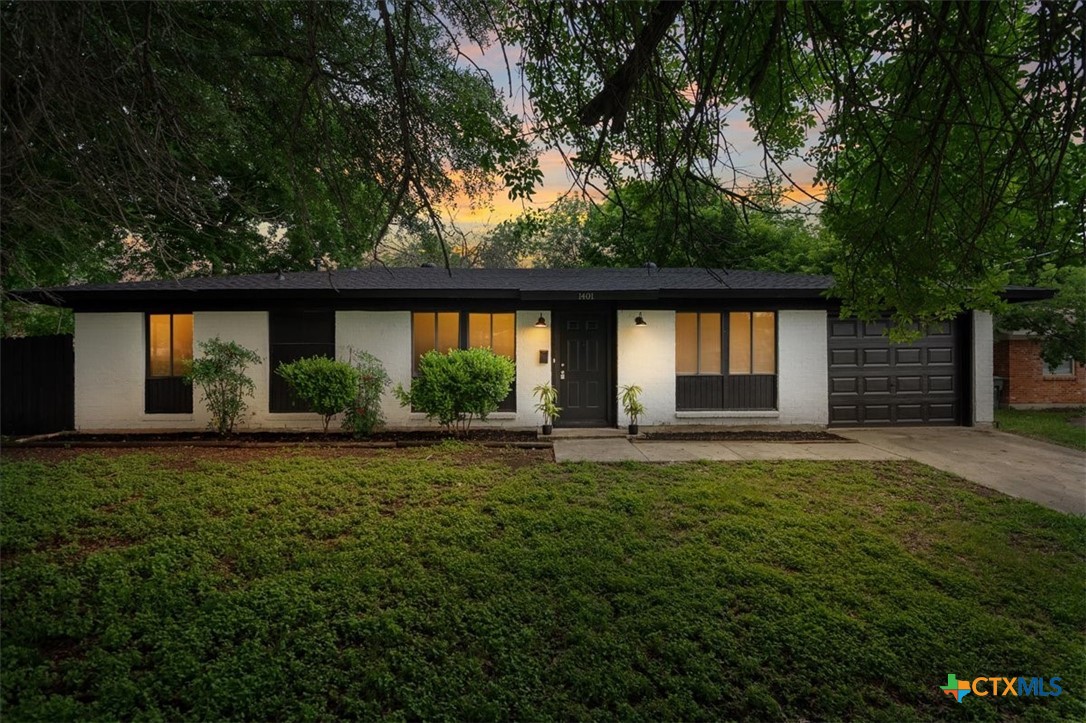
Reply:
x=429, y=584
x=1049, y=425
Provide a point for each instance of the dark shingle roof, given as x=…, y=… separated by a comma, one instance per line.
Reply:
x=382, y=282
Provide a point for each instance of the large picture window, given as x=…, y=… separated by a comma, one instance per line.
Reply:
x=445, y=330
x=169, y=359
x=725, y=360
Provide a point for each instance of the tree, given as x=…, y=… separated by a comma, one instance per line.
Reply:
x=948, y=134
x=1059, y=322
x=168, y=138
x=173, y=138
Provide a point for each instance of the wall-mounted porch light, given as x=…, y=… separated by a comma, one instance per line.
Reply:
x=640, y=320
x=542, y=323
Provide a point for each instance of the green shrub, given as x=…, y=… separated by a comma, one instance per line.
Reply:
x=219, y=372
x=363, y=416
x=327, y=385
x=457, y=387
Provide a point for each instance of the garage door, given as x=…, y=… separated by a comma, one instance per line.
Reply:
x=874, y=382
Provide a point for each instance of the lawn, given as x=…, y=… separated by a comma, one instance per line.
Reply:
x=458, y=583
x=1050, y=425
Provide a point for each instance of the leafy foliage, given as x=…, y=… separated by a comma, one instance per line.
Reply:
x=457, y=387
x=630, y=397
x=363, y=416
x=1059, y=322
x=468, y=584
x=219, y=371
x=547, y=405
x=328, y=386
x=946, y=137
x=172, y=138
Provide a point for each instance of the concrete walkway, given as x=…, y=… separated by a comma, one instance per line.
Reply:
x=1050, y=475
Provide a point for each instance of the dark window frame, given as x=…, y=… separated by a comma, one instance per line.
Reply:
x=463, y=335
x=164, y=394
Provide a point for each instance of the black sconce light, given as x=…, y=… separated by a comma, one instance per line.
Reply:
x=640, y=320
x=542, y=323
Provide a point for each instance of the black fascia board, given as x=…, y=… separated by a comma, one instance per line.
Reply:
x=1018, y=294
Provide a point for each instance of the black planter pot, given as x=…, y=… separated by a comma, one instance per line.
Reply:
x=548, y=428
x=633, y=429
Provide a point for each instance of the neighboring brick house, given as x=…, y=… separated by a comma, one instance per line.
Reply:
x=1029, y=382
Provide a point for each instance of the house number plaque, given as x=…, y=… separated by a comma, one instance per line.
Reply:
x=586, y=296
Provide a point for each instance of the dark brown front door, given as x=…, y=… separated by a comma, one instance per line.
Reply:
x=582, y=369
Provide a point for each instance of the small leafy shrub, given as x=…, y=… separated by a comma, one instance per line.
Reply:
x=457, y=387
x=363, y=416
x=327, y=385
x=219, y=372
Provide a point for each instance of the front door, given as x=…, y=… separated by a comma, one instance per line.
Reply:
x=582, y=368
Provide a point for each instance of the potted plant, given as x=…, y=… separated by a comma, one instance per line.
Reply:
x=631, y=404
x=547, y=395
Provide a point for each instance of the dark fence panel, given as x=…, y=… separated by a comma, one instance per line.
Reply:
x=37, y=384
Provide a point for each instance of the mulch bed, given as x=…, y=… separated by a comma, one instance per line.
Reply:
x=177, y=457
x=747, y=436
x=405, y=438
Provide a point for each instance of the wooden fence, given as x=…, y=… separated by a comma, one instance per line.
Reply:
x=37, y=384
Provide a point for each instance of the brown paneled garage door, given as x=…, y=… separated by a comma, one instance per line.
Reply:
x=874, y=382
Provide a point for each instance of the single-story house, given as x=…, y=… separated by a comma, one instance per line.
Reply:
x=1028, y=382
x=734, y=347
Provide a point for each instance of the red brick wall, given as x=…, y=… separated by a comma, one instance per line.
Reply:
x=1019, y=362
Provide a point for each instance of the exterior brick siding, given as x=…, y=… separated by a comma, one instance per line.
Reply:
x=1019, y=362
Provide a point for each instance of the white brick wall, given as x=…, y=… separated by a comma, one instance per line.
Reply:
x=110, y=368
x=983, y=392
x=387, y=335
x=646, y=357
x=803, y=367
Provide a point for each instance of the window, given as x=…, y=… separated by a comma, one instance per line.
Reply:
x=753, y=342
x=725, y=360
x=441, y=330
x=430, y=331
x=294, y=335
x=1066, y=368
x=169, y=358
x=698, y=343
x=497, y=332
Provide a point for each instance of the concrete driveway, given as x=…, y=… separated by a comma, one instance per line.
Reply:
x=1044, y=473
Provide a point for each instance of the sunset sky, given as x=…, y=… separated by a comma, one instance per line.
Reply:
x=746, y=154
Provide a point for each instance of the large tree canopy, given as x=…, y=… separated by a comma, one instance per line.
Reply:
x=947, y=137
x=174, y=136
